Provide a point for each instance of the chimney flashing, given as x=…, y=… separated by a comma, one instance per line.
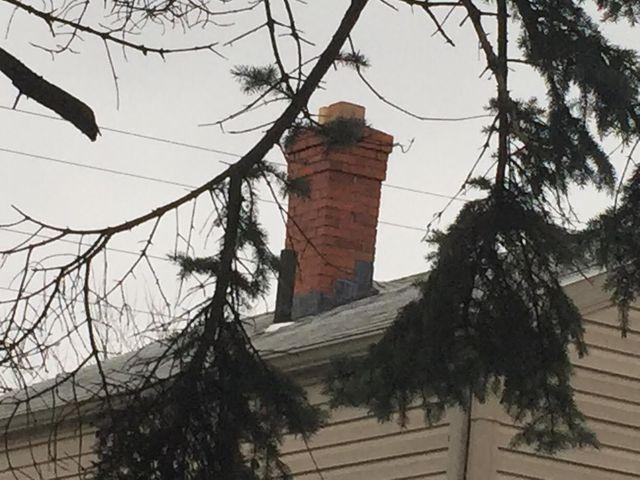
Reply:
x=286, y=283
x=344, y=291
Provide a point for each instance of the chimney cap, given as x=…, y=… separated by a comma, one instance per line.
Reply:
x=340, y=109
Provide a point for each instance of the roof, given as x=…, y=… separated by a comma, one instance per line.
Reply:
x=365, y=318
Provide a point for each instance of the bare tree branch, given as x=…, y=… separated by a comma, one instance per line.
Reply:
x=107, y=35
x=49, y=95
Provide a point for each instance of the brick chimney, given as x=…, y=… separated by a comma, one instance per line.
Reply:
x=331, y=235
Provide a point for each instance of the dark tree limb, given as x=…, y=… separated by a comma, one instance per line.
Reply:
x=503, y=95
x=258, y=151
x=107, y=35
x=61, y=276
x=476, y=19
x=238, y=170
x=223, y=279
x=49, y=95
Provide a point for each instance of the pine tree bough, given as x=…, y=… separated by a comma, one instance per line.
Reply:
x=223, y=412
x=494, y=292
x=493, y=295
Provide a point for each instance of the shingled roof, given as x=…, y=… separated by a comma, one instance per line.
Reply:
x=362, y=320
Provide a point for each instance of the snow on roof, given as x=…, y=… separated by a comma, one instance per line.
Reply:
x=356, y=319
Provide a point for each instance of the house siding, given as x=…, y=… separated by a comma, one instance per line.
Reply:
x=45, y=454
x=607, y=384
x=354, y=445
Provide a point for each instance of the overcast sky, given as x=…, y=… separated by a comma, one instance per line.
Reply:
x=170, y=98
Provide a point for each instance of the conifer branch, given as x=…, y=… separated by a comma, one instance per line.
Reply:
x=230, y=284
x=215, y=310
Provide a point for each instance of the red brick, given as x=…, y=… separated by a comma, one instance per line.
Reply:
x=340, y=217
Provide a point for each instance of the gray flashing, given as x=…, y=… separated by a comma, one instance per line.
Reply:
x=345, y=290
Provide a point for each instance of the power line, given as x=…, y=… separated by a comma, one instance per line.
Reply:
x=157, y=179
x=423, y=192
x=134, y=310
x=98, y=169
x=65, y=240
x=129, y=133
x=400, y=225
x=205, y=149
x=110, y=249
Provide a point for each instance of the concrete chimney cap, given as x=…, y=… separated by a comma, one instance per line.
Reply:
x=340, y=109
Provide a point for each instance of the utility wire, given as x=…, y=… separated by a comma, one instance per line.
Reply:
x=110, y=249
x=98, y=169
x=157, y=180
x=134, y=310
x=128, y=132
x=66, y=240
x=423, y=192
x=204, y=149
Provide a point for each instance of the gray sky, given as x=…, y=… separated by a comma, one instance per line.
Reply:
x=170, y=98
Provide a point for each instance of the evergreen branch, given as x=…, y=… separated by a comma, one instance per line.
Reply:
x=215, y=310
x=67, y=275
x=624, y=172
